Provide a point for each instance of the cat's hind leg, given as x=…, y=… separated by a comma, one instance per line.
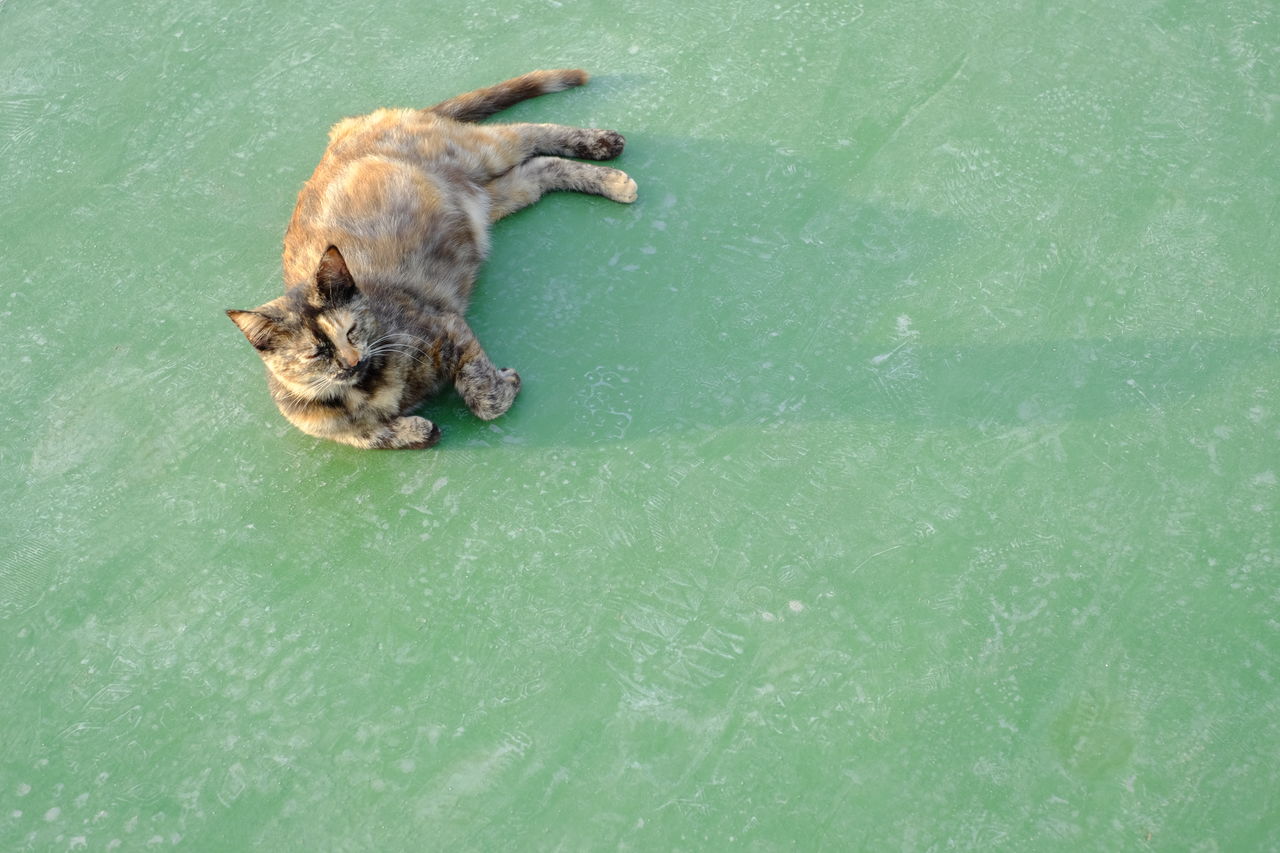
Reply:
x=527, y=183
x=586, y=143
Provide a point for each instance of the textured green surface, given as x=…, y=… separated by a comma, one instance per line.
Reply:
x=899, y=473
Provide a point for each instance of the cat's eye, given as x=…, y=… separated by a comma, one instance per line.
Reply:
x=351, y=334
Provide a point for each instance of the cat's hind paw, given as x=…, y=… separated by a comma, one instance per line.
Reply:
x=606, y=145
x=619, y=187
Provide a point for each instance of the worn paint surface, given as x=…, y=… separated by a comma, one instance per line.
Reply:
x=899, y=472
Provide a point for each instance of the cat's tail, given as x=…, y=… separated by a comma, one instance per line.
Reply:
x=482, y=103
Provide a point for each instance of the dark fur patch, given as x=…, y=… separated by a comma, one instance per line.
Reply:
x=373, y=376
x=600, y=144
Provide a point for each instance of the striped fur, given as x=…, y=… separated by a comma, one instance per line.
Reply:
x=384, y=247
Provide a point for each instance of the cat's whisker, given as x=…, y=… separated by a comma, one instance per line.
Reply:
x=388, y=335
x=379, y=347
x=385, y=345
x=321, y=384
x=400, y=346
x=409, y=354
x=380, y=344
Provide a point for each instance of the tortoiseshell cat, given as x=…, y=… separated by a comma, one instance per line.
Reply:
x=382, y=251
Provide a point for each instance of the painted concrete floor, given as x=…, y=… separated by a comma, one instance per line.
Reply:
x=899, y=472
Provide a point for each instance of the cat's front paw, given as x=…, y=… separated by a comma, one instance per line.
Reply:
x=495, y=399
x=510, y=377
x=424, y=435
x=411, y=433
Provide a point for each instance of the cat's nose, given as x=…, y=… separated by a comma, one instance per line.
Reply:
x=348, y=356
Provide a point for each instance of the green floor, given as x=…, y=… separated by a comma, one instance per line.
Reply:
x=899, y=473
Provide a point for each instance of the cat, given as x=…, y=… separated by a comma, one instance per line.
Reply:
x=383, y=249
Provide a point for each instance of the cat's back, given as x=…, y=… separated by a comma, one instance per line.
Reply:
x=393, y=190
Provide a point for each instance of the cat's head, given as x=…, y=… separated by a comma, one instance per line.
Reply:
x=317, y=339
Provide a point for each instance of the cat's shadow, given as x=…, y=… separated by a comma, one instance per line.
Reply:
x=989, y=388
x=747, y=289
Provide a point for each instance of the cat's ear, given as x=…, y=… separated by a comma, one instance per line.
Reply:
x=261, y=329
x=333, y=280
